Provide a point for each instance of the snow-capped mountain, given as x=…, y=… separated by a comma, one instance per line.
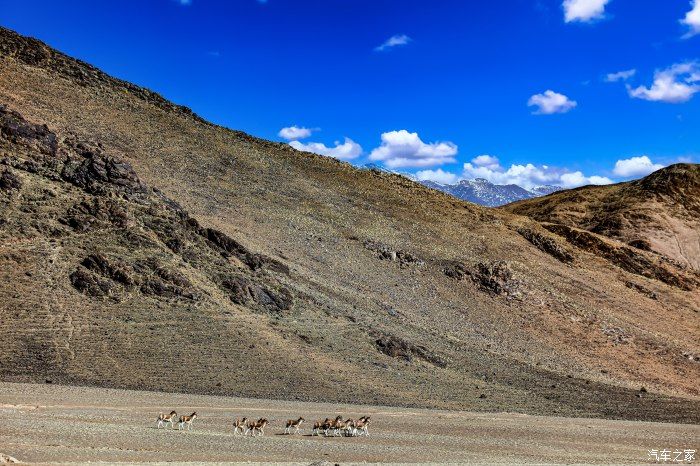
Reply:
x=481, y=191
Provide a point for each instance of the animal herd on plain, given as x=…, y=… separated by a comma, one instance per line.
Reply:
x=327, y=427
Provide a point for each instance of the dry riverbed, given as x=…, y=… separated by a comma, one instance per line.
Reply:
x=49, y=423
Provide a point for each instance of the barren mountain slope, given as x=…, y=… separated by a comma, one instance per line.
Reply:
x=301, y=277
x=659, y=213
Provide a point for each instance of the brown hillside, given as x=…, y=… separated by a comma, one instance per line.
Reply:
x=658, y=213
x=142, y=247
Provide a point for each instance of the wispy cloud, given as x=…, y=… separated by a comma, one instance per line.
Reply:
x=584, y=11
x=184, y=2
x=393, y=41
x=692, y=20
x=401, y=149
x=550, y=102
x=620, y=75
x=675, y=84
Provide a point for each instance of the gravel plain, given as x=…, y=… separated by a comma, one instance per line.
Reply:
x=62, y=424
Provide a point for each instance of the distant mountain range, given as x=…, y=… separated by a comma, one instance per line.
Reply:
x=479, y=190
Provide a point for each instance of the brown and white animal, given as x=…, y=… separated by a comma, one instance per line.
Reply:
x=165, y=419
x=293, y=424
x=258, y=425
x=186, y=421
x=319, y=426
x=239, y=424
x=332, y=424
x=361, y=426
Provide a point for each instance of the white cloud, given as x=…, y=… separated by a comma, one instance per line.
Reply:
x=527, y=176
x=692, y=20
x=635, y=167
x=393, y=41
x=620, y=75
x=487, y=161
x=291, y=133
x=346, y=151
x=438, y=176
x=674, y=85
x=583, y=10
x=551, y=102
x=403, y=149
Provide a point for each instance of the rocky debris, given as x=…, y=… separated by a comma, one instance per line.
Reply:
x=90, y=284
x=695, y=357
x=98, y=173
x=641, y=289
x=630, y=259
x=399, y=348
x=9, y=181
x=547, y=244
x=385, y=252
x=96, y=213
x=616, y=334
x=100, y=276
x=19, y=131
x=641, y=243
x=496, y=277
x=242, y=290
x=227, y=247
x=455, y=270
x=114, y=269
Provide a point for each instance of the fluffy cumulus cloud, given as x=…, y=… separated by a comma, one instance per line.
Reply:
x=692, y=19
x=584, y=10
x=528, y=175
x=676, y=84
x=400, y=149
x=439, y=176
x=635, y=167
x=291, y=133
x=620, y=75
x=551, y=102
x=393, y=41
x=348, y=150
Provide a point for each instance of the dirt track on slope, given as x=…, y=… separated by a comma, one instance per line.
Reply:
x=49, y=423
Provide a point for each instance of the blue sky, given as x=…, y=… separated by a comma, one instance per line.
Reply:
x=513, y=91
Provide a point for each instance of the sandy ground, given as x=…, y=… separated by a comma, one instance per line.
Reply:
x=49, y=423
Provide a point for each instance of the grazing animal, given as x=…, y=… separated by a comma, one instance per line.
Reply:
x=165, y=419
x=258, y=425
x=239, y=424
x=293, y=424
x=186, y=421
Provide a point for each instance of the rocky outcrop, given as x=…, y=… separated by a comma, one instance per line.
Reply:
x=494, y=277
x=386, y=252
x=627, y=258
x=547, y=244
x=9, y=181
x=112, y=200
x=402, y=349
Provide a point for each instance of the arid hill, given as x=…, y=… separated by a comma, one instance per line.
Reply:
x=659, y=213
x=142, y=247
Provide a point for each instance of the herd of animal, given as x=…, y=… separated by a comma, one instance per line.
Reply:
x=243, y=426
